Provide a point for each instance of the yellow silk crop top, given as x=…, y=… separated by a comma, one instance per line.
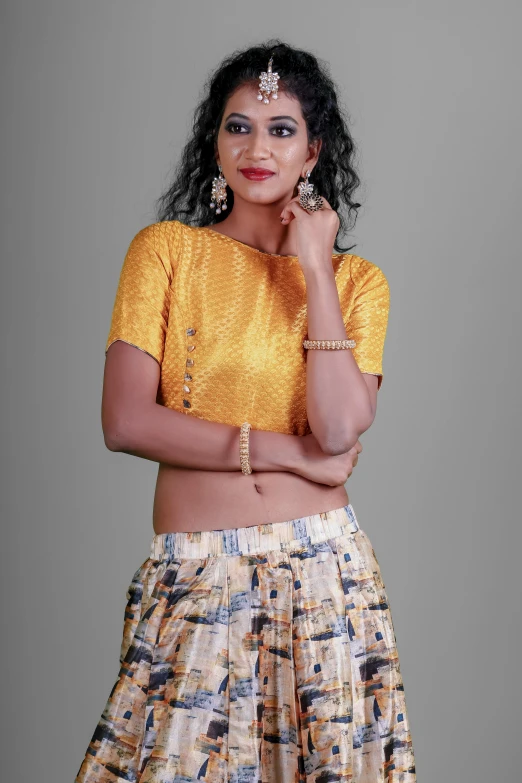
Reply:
x=226, y=323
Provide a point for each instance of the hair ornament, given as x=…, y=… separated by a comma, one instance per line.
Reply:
x=268, y=84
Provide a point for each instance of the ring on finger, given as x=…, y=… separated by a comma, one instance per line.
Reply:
x=311, y=202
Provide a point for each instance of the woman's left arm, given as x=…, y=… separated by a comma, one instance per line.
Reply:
x=340, y=400
x=341, y=387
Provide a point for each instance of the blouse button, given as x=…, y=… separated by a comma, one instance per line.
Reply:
x=189, y=363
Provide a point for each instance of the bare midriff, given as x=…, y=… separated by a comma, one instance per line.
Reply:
x=188, y=500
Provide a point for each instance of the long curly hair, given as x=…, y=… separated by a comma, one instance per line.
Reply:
x=304, y=77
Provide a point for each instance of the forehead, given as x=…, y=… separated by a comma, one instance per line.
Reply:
x=244, y=100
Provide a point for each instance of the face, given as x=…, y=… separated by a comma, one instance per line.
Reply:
x=269, y=136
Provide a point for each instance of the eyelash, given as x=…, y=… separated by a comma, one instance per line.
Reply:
x=276, y=127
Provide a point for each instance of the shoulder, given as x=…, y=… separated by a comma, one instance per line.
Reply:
x=365, y=274
x=162, y=234
x=161, y=241
x=363, y=288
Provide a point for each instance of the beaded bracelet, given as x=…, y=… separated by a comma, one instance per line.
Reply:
x=244, y=452
x=330, y=345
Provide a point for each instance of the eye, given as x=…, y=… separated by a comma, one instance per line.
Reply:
x=231, y=125
x=284, y=127
x=231, y=128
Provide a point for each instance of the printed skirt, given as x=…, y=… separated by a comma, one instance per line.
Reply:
x=262, y=654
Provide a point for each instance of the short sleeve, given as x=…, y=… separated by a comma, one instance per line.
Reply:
x=141, y=307
x=367, y=319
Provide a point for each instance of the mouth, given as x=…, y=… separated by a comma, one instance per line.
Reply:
x=257, y=174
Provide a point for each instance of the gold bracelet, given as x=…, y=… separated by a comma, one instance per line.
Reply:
x=330, y=345
x=244, y=453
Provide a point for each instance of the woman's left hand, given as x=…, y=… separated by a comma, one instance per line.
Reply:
x=315, y=232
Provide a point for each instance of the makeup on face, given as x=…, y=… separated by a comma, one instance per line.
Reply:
x=280, y=126
x=259, y=143
x=257, y=174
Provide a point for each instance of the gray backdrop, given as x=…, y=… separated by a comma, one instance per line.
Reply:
x=96, y=103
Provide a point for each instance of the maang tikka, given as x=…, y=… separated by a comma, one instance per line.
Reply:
x=219, y=192
x=268, y=84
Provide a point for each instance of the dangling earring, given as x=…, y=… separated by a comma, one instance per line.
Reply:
x=219, y=192
x=307, y=198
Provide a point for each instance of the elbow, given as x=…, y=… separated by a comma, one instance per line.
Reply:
x=339, y=439
x=113, y=440
x=343, y=440
x=340, y=444
x=116, y=434
x=337, y=442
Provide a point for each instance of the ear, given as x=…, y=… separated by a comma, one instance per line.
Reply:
x=313, y=154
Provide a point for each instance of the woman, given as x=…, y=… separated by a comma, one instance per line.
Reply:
x=258, y=642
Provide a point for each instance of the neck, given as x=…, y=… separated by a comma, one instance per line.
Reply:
x=259, y=225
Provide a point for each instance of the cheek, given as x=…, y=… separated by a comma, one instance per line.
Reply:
x=292, y=154
x=230, y=147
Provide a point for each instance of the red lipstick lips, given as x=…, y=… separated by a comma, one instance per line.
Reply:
x=257, y=173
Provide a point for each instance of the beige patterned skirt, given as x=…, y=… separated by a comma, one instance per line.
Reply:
x=262, y=654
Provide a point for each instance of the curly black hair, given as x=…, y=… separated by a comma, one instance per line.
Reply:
x=304, y=77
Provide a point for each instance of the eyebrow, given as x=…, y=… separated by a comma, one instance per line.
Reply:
x=278, y=117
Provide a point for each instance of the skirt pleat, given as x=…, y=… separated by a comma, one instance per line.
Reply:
x=274, y=665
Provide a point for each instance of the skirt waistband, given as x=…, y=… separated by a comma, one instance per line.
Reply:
x=284, y=536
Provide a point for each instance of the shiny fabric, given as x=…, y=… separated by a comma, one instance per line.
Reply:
x=263, y=654
x=248, y=309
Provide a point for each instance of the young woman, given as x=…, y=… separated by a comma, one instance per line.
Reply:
x=244, y=356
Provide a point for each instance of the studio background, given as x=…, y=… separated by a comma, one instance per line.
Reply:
x=96, y=101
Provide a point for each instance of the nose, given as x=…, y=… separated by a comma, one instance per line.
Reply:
x=257, y=148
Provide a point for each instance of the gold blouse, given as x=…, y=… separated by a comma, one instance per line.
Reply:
x=226, y=323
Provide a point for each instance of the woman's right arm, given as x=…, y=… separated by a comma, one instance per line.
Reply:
x=134, y=423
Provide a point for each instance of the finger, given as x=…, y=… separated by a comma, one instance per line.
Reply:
x=326, y=205
x=325, y=202
x=293, y=210
x=289, y=210
x=358, y=446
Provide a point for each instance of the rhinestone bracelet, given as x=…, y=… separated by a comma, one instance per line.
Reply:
x=330, y=345
x=244, y=454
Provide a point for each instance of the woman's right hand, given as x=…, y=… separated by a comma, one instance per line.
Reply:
x=322, y=468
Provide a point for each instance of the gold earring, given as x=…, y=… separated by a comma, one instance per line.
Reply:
x=219, y=192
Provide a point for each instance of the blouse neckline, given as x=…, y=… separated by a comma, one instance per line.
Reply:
x=236, y=242
x=210, y=230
